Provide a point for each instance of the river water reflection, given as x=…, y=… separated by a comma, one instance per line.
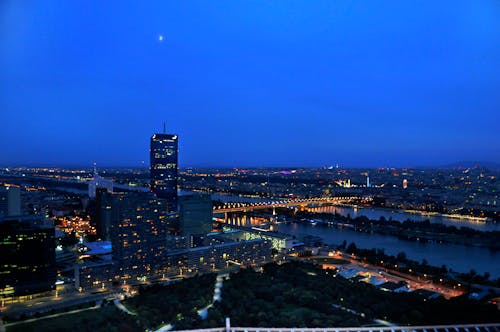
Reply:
x=376, y=213
x=458, y=257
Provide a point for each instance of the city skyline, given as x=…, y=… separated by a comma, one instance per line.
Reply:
x=262, y=84
x=279, y=165
x=458, y=164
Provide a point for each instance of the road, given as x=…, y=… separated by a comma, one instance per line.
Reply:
x=45, y=304
x=397, y=276
x=52, y=316
x=120, y=306
x=217, y=291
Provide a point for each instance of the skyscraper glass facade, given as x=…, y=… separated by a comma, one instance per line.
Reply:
x=164, y=167
x=27, y=257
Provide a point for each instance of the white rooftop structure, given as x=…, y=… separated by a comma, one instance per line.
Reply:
x=99, y=182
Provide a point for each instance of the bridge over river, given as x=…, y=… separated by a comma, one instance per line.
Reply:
x=244, y=207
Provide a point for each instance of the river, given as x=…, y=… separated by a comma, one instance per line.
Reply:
x=460, y=258
x=374, y=213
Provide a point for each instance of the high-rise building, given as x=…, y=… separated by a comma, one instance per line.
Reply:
x=367, y=182
x=106, y=213
x=139, y=236
x=27, y=259
x=164, y=167
x=195, y=216
x=10, y=201
x=405, y=184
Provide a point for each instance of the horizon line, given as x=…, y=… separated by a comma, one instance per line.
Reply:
x=451, y=165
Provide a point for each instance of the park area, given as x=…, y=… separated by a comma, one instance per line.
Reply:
x=107, y=318
x=154, y=307
x=294, y=294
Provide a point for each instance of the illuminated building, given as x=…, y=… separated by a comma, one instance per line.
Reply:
x=405, y=184
x=220, y=256
x=344, y=183
x=139, y=237
x=94, y=275
x=278, y=241
x=176, y=242
x=99, y=182
x=164, y=167
x=195, y=216
x=143, y=250
x=96, y=269
x=27, y=256
x=367, y=182
x=10, y=201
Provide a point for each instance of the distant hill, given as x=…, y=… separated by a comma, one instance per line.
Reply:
x=472, y=164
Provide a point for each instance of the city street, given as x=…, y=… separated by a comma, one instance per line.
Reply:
x=413, y=282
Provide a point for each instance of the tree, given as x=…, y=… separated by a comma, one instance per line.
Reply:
x=352, y=248
x=401, y=257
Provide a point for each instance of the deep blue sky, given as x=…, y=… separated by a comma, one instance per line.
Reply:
x=250, y=83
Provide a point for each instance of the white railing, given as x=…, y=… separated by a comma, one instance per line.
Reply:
x=493, y=327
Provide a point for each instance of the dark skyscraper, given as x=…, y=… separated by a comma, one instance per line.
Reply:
x=163, y=169
x=10, y=201
x=106, y=213
x=27, y=259
x=195, y=216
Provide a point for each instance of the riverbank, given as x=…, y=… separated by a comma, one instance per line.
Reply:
x=424, y=214
x=423, y=231
x=460, y=258
x=402, y=215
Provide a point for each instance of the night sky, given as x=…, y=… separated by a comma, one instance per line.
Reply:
x=250, y=83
